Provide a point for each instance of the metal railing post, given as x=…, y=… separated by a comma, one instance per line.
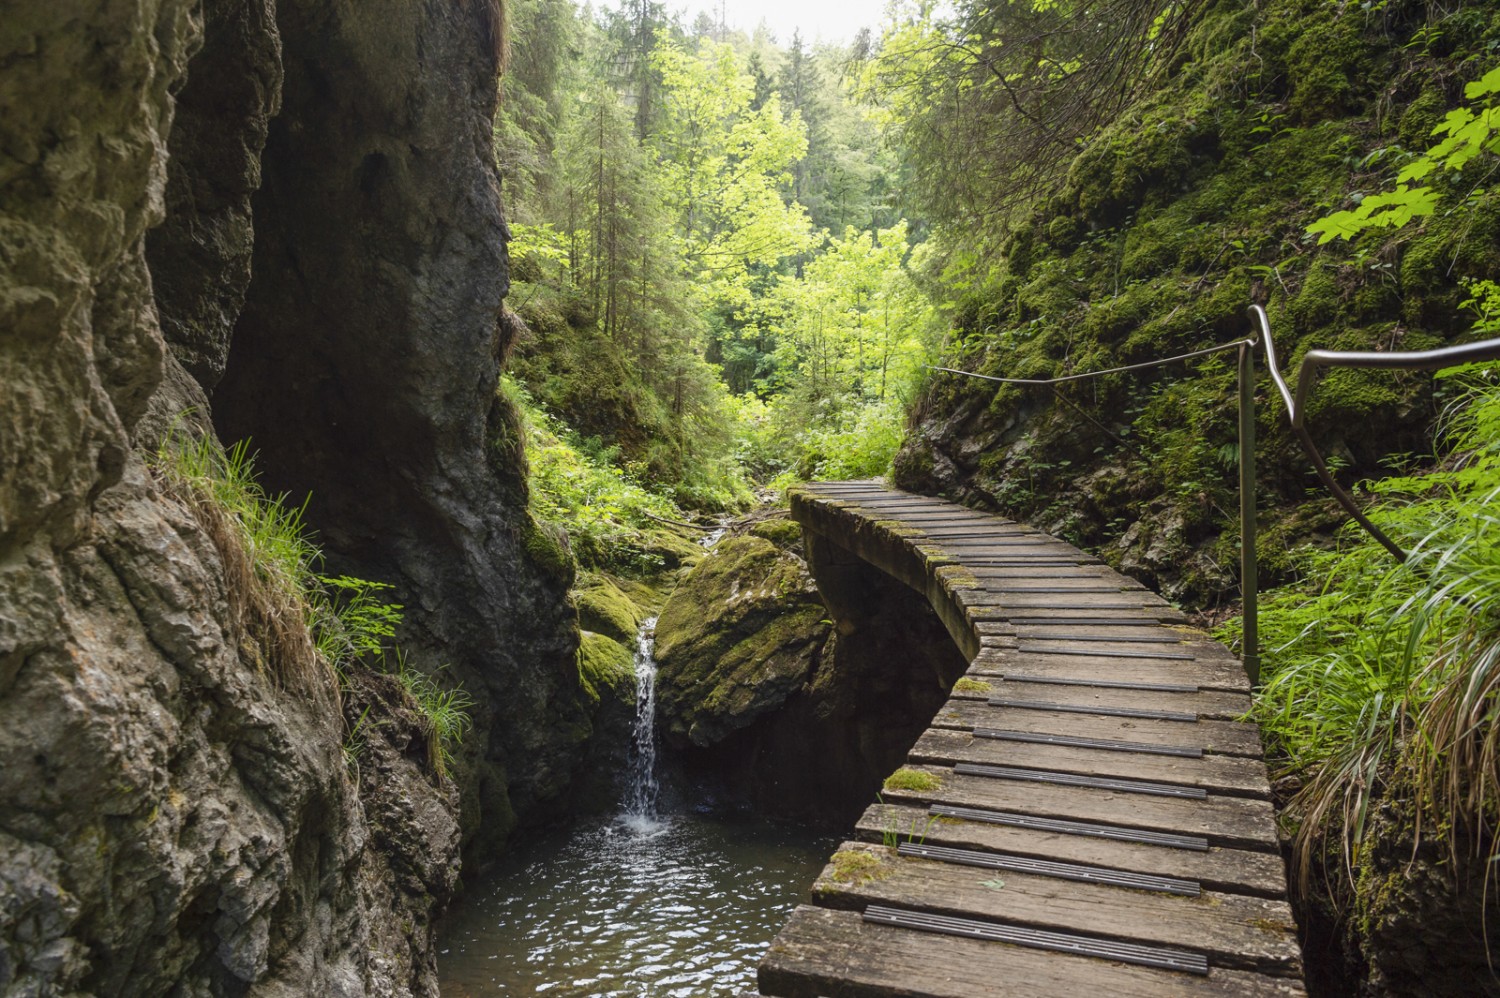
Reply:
x=1249, y=578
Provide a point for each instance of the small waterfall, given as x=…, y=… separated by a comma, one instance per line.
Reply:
x=640, y=798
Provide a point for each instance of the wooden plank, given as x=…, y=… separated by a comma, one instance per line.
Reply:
x=1236, y=822
x=1209, y=704
x=1238, y=871
x=1225, y=737
x=1224, y=774
x=1210, y=674
x=822, y=952
x=1234, y=931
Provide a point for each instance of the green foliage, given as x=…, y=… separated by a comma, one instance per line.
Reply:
x=351, y=622
x=309, y=626
x=666, y=269
x=1379, y=666
x=612, y=521
x=1469, y=132
x=444, y=713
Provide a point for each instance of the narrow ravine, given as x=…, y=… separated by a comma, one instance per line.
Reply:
x=675, y=894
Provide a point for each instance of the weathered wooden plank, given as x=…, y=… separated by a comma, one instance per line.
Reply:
x=1222, y=774
x=1238, y=822
x=822, y=952
x=1222, y=869
x=1213, y=674
x=1208, y=704
x=1233, y=930
x=1224, y=737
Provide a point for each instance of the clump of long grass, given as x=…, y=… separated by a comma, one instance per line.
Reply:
x=303, y=629
x=262, y=542
x=444, y=712
x=1395, y=668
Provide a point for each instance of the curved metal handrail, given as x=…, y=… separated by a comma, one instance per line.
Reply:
x=1295, y=402
x=1307, y=374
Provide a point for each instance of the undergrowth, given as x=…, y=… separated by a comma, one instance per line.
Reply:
x=611, y=519
x=306, y=630
x=1385, y=668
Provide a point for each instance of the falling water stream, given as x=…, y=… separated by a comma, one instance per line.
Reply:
x=671, y=896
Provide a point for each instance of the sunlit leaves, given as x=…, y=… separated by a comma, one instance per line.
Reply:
x=1468, y=133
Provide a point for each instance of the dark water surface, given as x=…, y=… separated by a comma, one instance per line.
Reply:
x=683, y=905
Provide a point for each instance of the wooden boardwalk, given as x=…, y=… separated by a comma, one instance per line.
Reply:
x=1097, y=821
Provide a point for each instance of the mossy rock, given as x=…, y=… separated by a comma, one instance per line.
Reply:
x=606, y=669
x=547, y=548
x=784, y=533
x=603, y=607
x=740, y=634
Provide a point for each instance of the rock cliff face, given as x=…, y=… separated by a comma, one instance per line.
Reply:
x=373, y=309
x=173, y=817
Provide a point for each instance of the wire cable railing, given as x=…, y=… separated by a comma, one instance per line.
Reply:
x=1296, y=408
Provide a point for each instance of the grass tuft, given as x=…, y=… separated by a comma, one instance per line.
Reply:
x=1395, y=668
x=856, y=867
x=918, y=780
x=266, y=556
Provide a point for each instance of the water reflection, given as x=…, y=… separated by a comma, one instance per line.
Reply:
x=678, y=905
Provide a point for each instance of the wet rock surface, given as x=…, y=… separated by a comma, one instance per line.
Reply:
x=178, y=813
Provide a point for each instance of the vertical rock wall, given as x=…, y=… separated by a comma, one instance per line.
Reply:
x=172, y=818
x=374, y=309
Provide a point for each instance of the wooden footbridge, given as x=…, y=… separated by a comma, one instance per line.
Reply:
x=1085, y=816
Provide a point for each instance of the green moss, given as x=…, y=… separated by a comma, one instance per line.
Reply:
x=917, y=780
x=967, y=685
x=602, y=607
x=548, y=551
x=784, y=533
x=858, y=866
x=605, y=667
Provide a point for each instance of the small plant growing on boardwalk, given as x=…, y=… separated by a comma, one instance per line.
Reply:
x=917, y=780
x=856, y=867
x=968, y=685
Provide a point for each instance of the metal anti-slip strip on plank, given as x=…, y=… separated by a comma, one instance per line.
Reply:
x=1103, y=744
x=1149, y=639
x=1059, y=826
x=1058, y=942
x=1048, y=868
x=1081, y=590
x=1083, y=621
x=1111, y=684
x=1005, y=601
x=1073, y=780
x=1068, y=708
x=1091, y=653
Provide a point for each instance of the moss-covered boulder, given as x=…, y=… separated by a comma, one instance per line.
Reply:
x=738, y=636
x=606, y=674
x=603, y=607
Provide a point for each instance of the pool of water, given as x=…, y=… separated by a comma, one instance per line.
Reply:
x=681, y=904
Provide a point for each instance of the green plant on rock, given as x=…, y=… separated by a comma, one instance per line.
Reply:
x=444, y=712
x=261, y=541
x=1395, y=668
x=1468, y=133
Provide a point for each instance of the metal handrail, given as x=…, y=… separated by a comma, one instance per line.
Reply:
x=1095, y=374
x=1295, y=403
x=1307, y=375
